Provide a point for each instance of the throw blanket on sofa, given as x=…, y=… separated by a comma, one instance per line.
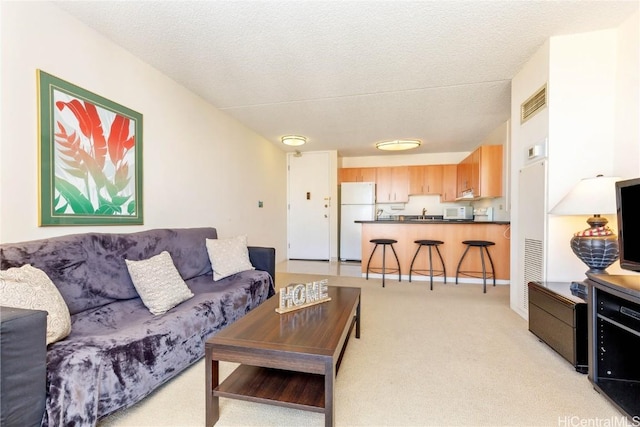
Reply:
x=117, y=351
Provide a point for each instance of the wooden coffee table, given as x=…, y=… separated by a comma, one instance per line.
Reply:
x=288, y=359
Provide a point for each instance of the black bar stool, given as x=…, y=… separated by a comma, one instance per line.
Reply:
x=429, y=244
x=384, y=243
x=483, y=245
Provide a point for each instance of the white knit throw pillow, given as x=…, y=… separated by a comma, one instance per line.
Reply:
x=30, y=288
x=228, y=256
x=158, y=282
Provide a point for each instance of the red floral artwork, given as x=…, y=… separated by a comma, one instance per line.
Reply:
x=93, y=150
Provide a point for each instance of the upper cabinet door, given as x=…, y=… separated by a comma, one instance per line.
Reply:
x=416, y=180
x=425, y=179
x=383, y=185
x=356, y=175
x=433, y=179
x=348, y=175
x=481, y=172
x=392, y=184
x=400, y=181
x=464, y=175
x=368, y=174
x=449, y=183
x=490, y=171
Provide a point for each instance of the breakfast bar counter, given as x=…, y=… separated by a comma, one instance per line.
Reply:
x=452, y=233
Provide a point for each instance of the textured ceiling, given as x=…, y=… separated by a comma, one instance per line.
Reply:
x=347, y=74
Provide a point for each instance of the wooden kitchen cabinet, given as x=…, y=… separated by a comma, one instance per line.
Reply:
x=356, y=175
x=490, y=171
x=449, y=183
x=392, y=184
x=468, y=177
x=425, y=179
x=481, y=172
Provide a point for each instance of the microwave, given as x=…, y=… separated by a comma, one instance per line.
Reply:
x=458, y=212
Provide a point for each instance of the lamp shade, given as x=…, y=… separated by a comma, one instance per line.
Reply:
x=590, y=196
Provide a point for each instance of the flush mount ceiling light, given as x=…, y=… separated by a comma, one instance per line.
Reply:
x=293, y=140
x=398, y=144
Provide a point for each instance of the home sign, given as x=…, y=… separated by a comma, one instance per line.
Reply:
x=300, y=295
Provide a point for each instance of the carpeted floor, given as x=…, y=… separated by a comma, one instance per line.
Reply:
x=448, y=357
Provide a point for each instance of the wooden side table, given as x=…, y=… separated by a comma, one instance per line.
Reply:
x=558, y=316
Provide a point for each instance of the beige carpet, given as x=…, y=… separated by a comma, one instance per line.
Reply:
x=448, y=357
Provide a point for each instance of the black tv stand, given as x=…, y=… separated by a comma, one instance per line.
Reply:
x=614, y=339
x=558, y=317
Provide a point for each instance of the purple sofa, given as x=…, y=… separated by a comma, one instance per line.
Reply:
x=118, y=352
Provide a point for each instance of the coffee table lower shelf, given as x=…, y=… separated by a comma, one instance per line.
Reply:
x=290, y=389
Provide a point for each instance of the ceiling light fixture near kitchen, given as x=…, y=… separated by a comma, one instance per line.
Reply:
x=398, y=144
x=293, y=140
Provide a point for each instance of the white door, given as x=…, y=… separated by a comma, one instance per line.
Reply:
x=309, y=206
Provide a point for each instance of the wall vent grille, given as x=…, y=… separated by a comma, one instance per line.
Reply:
x=533, y=266
x=534, y=104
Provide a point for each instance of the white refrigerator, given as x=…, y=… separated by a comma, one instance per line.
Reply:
x=357, y=202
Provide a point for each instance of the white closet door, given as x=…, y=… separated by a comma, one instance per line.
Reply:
x=309, y=212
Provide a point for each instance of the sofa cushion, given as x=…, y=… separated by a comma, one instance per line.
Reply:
x=158, y=282
x=30, y=288
x=228, y=256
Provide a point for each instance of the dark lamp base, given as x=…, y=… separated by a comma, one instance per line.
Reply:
x=597, y=252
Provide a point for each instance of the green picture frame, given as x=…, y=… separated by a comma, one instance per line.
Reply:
x=90, y=157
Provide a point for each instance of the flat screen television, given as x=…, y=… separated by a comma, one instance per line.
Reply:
x=628, y=211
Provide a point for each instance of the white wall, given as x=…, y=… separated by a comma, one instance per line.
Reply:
x=201, y=168
x=592, y=122
x=533, y=76
x=582, y=81
x=627, y=129
x=582, y=99
x=402, y=160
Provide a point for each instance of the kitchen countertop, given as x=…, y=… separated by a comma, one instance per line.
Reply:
x=430, y=221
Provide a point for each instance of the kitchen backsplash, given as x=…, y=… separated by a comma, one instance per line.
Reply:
x=434, y=207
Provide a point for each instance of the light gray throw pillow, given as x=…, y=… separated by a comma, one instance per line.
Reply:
x=29, y=287
x=158, y=282
x=228, y=256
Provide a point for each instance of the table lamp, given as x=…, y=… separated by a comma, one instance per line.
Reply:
x=597, y=246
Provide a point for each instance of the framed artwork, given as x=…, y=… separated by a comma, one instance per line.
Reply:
x=90, y=157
